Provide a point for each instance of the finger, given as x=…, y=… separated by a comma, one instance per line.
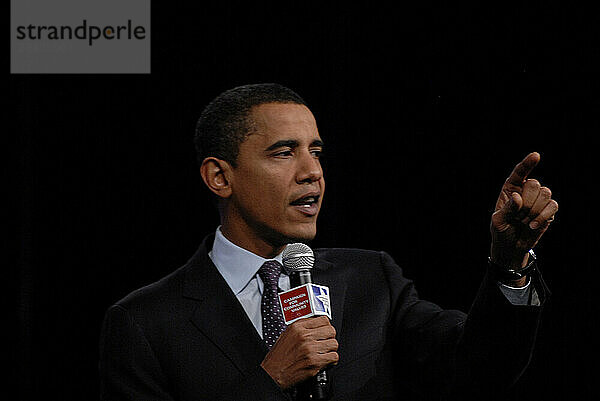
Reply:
x=540, y=203
x=312, y=348
x=314, y=363
x=326, y=346
x=314, y=322
x=522, y=170
x=545, y=217
x=325, y=358
x=330, y=357
x=530, y=193
x=323, y=333
x=313, y=328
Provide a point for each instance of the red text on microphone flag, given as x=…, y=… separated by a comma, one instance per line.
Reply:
x=304, y=301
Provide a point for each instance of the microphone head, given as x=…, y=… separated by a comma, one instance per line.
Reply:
x=297, y=256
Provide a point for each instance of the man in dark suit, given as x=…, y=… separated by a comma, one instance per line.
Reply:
x=209, y=331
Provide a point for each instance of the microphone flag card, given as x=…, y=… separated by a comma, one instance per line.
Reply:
x=305, y=301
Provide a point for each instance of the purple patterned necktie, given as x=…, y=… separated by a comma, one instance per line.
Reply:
x=272, y=318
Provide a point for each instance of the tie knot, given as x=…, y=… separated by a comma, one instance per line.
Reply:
x=269, y=272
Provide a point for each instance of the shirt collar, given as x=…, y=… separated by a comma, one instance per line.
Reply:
x=237, y=265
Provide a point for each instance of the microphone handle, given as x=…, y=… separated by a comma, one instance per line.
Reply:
x=300, y=277
x=314, y=388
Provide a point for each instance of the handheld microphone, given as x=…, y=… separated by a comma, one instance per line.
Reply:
x=298, y=260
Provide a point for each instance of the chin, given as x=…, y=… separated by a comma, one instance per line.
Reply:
x=303, y=235
x=296, y=234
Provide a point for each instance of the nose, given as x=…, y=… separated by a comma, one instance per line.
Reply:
x=309, y=168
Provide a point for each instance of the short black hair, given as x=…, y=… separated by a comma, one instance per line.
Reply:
x=224, y=124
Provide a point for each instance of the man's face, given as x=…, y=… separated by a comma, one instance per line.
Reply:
x=278, y=184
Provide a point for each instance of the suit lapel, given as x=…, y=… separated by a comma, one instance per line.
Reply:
x=219, y=315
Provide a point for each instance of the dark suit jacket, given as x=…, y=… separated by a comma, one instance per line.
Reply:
x=186, y=337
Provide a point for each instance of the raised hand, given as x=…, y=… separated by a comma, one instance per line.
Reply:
x=523, y=212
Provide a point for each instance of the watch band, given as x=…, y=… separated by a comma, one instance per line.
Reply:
x=503, y=273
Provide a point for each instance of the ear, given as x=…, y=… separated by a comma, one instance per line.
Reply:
x=216, y=174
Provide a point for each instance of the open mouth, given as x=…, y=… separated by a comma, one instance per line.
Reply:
x=307, y=204
x=306, y=201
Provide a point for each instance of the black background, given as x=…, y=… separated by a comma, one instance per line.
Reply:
x=424, y=111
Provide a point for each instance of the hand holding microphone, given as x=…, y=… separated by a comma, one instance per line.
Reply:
x=308, y=345
x=302, y=350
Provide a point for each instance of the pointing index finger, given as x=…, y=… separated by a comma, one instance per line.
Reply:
x=522, y=170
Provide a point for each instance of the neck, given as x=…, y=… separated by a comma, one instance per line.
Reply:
x=252, y=242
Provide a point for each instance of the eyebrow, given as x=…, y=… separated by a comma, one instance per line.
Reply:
x=292, y=143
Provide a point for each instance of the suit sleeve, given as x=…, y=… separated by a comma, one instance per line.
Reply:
x=449, y=352
x=498, y=339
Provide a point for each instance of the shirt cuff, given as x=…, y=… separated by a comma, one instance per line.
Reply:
x=525, y=295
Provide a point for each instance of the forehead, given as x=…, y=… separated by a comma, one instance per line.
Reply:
x=279, y=120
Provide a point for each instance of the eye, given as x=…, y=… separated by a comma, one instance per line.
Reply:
x=283, y=153
x=317, y=153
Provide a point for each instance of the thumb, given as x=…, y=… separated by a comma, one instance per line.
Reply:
x=503, y=216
